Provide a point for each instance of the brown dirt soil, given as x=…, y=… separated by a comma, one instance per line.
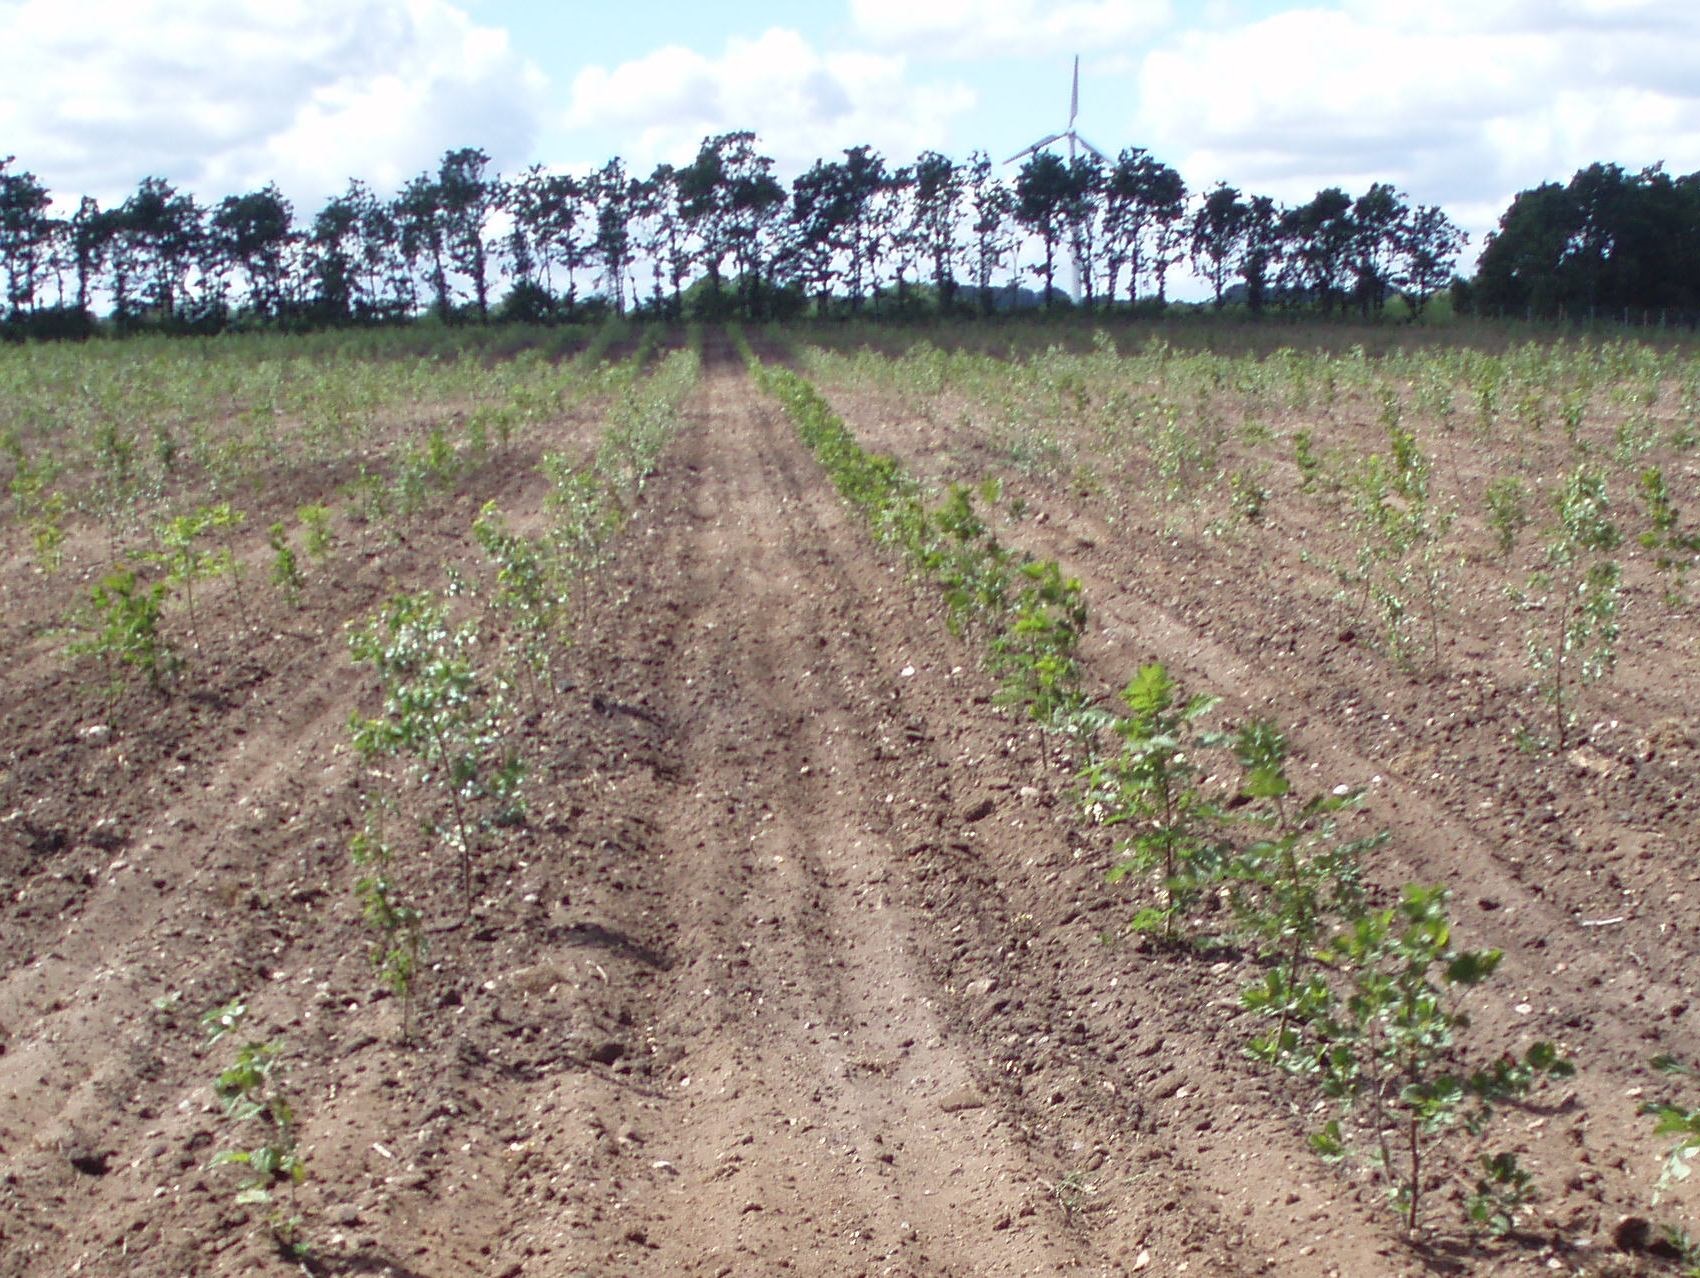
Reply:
x=795, y=964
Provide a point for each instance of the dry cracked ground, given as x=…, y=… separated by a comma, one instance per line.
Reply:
x=802, y=960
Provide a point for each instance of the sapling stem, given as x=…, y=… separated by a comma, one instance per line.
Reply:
x=460, y=819
x=1416, y=1182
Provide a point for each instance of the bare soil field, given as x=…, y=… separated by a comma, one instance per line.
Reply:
x=801, y=958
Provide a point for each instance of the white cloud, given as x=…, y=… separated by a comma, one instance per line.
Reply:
x=802, y=103
x=221, y=96
x=1540, y=17
x=995, y=28
x=1459, y=102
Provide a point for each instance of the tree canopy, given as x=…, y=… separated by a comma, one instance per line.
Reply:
x=1609, y=240
x=851, y=232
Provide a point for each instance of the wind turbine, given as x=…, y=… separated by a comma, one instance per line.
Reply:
x=1074, y=141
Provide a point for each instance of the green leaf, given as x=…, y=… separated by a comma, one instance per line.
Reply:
x=1543, y=1058
x=1149, y=692
x=1473, y=966
x=1150, y=919
x=1435, y=1101
x=1328, y=1143
x=265, y=1160
x=1676, y=1121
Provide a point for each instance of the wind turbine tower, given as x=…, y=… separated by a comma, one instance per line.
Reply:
x=1075, y=144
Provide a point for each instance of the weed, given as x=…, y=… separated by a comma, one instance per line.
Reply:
x=1073, y=1192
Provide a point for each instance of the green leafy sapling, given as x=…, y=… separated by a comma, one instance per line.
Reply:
x=316, y=520
x=1401, y=544
x=252, y=1092
x=1150, y=784
x=971, y=568
x=1304, y=455
x=368, y=497
x=47, y=532
x=530, y=591
x=1502, y=1188
x=1378, y=1024
x=1577, y=590
x=1247, y=495
x=1682, y=1122
x=1673, y=550
x=1291, y=886
x=286, y=571
x=424, y=468
x=123, y=630
x=1036, y=652
x=40, y=507
x=1678, y=1121
x=184, y=558
x=584, y=516
x=400, y=948
x=440, y=711
x=1507, y=511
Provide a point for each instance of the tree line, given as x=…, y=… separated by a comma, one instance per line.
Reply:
x=1603, y=244
x=722, y=234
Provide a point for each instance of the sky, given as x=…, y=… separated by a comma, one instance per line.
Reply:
x=1460, y=103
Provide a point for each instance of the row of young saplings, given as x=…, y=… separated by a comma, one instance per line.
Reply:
x=1359, y=997
x=1406, y=534
x=123, y=627
x=454, y=681
x=123, y=624
x=111, y=437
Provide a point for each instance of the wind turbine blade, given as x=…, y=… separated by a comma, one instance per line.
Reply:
x=1095, y=151
x=1044, y=141
x=1074, y=96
